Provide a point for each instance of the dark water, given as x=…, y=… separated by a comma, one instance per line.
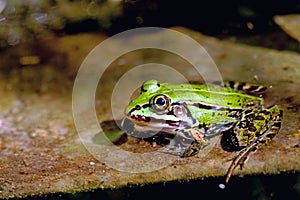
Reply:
x=284, y=186
x=210, y=17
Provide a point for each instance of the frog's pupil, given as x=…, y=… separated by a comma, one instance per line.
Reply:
x=160, y=101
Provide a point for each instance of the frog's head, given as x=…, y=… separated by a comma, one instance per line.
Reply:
x=156, y=108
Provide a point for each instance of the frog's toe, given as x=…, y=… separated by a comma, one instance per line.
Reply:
x=192, y=150
x=243, y=161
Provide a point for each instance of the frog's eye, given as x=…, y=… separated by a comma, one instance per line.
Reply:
x=160, y=103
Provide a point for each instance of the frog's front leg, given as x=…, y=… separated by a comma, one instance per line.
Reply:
x=199, y=141
x=202, y=137
x=187, y=142
x=254, y=132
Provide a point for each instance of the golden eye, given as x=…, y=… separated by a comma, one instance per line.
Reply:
x=160, y=103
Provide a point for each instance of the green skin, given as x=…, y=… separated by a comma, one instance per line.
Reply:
x=198, y=112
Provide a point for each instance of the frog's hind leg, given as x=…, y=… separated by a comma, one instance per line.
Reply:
x=247, y=88
x=268, y=134
x=240, y=159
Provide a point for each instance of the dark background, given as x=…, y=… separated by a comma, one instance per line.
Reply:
x=222, y=19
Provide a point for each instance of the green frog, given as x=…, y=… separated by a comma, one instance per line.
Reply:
x=195, y=113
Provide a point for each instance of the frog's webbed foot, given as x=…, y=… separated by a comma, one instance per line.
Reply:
x=186, y=143
x=200, y=141
x=177, y=146
x=184, y=150
x=193, y=149
x=197, y=143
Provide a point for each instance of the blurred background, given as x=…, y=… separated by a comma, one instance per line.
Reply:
x=32, y=19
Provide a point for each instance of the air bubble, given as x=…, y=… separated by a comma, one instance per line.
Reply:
x=222, y=186
x=92, y=163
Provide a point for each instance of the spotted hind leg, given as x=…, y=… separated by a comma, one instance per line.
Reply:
x=262, y=137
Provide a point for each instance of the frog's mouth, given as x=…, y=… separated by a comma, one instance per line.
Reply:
x=156, y=123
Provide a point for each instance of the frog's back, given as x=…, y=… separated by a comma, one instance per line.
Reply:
x=230, y=95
